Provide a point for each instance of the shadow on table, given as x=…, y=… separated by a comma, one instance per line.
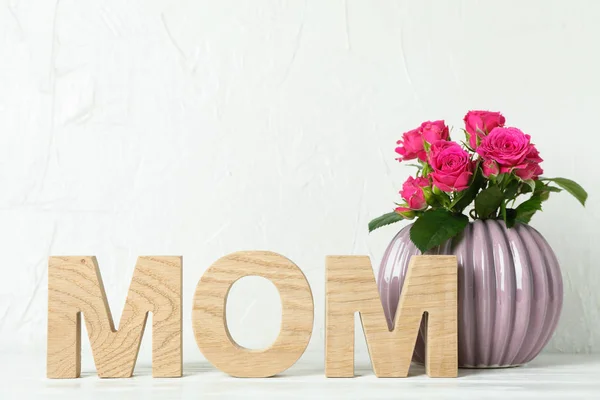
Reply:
x=545, y=361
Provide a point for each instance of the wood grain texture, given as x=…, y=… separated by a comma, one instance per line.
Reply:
x=210, y=324
x=75, y=287
x=430, y=287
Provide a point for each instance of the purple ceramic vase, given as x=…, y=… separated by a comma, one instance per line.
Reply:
x=510, y=291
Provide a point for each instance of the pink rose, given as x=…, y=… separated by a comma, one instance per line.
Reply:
x=490, y=168
x=480, y=123
x=530, y=171
x=412, y=192
x=432, y=131
x=411, y=146
x=533, y=155
x=452, y=166
x=531, y=168
x=507, y=146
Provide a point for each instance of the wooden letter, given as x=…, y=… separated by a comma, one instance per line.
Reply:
x=75, y=286
x=210, y=324
x=430, y=287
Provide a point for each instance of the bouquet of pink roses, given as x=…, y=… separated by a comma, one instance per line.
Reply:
x=492, y=169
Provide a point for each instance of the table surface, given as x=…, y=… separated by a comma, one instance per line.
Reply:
x=547, y=377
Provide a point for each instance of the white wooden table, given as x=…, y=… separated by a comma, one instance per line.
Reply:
x=547, y=377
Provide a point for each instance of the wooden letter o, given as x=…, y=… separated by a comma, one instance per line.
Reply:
x=210, y=324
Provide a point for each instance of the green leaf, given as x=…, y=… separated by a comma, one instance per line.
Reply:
x=467, y=135
x=430, y=198
x=417, y=166
x=543, y=190
x=539, y=186
x=552, y=189
x=443, y=198
x=531, y=184
x=528, y=208
x=426, y=170
x=466, y=144
x=434, y=227
x=488, y=201
x=464, y=198
x=525, y=189
x=384, y=220
x=500, y=178
x=572, y=187
x=511, y=190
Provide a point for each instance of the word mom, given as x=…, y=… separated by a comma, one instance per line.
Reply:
x=75, y=287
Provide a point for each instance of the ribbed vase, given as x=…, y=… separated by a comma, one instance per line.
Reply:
x=510, y=291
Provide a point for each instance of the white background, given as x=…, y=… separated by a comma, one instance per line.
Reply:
x=199, y=128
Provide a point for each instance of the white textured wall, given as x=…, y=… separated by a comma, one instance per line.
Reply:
x=199, y=128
